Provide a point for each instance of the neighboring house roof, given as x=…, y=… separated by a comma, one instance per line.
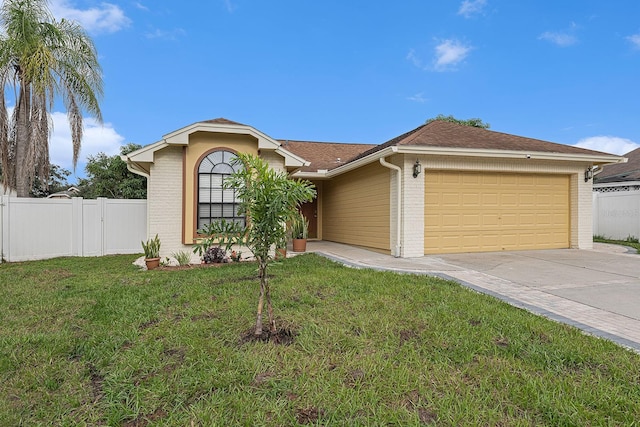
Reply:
x=324, y=155
x=66, y=194
x=621, y=172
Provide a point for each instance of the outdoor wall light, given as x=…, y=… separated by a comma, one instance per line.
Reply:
x=417, y=168
x=588, y=174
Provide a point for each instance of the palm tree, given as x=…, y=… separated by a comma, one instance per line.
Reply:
x=41, y=59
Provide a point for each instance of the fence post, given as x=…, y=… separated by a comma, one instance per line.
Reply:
x=4, y=201
x=595, y=208
x=77, y=246
x=638, y=211
x=102, y=209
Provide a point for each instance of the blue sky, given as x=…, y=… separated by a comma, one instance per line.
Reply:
x=354, y=71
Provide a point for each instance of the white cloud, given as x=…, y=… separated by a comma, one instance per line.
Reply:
x=413, y=58
x=107, y=18
x=418, y=97
x=96, y=138
x=608, y=144
x=635, y=40
x=563, y=38
x=559, y=39
x=166, y=35
x=469, y=8
x=450, y=53
x=140, y=6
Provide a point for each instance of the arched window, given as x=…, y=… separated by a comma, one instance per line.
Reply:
x=215, y=202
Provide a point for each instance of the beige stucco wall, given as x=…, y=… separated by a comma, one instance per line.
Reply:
x=356, y=208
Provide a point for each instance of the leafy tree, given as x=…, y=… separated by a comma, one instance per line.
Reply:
x=478, y=123
x=108, y=176
x=41, y=59
x=55, y=182
x=269, y=199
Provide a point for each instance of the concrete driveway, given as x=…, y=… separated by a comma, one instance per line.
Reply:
x=595, y=290
x=609, y=281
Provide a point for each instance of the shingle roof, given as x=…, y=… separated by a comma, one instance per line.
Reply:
x=222, y=121
x=440, y=133
x=621, y=172
x=324, y=155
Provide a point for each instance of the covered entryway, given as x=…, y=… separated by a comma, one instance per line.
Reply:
x=310, y=212
x=491, y=211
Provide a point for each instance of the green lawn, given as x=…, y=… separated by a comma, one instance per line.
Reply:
x=631, y=242
x=94, y=341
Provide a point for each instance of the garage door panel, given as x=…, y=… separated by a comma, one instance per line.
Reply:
x=471, y=220
x=451, y=199
x=490, y=200
x=490, y=220
x=526, y=200
x=509, y=199
x=495, y=211
x=451, y=221
x=513, y=220
x=471, y=199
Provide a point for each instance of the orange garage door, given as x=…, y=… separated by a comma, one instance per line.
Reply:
x=482, y=212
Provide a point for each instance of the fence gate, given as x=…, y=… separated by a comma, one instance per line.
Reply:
x=33, y=229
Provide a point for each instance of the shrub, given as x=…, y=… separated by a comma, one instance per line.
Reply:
x=214, y=255
x=183, y=257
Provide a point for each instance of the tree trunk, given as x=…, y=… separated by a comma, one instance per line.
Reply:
x=22, y=162
x=267, y=290
x=262, y=273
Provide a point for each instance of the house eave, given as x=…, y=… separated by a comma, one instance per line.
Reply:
x=139, y=168
x=373, y=157
x=596, y=159
x=322, y=174
x=180, y=137
x=463, y=152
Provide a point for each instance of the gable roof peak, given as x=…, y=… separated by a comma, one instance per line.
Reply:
x=223, y=121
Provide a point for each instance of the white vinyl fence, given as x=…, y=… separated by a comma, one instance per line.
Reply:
x=33, y=229
x=616, y=215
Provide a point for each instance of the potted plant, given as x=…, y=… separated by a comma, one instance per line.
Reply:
x=299, y=231
x=281, y=246
x=152, y=252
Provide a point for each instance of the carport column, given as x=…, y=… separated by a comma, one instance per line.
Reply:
x=581, y=212
x=413, y=208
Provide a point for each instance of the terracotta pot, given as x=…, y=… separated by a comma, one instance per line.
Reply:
x=152, y=263
x=281, y=253
x=299, y=245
